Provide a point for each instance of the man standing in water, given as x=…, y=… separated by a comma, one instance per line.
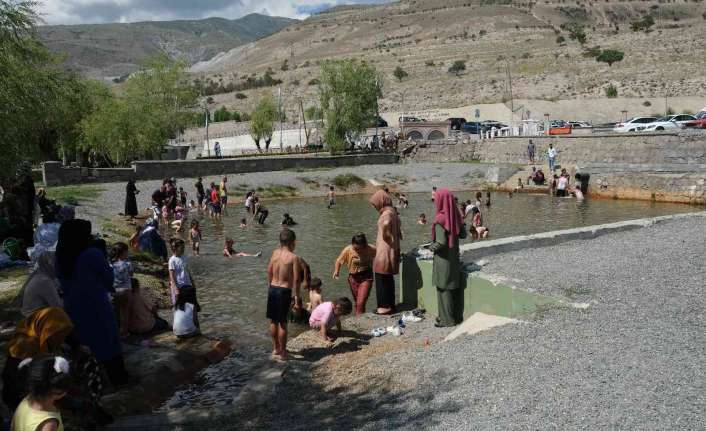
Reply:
x=283, y=274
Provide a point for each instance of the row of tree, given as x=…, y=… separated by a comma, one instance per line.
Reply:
x=47, y=112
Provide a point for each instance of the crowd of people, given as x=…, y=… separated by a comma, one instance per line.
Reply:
x=83, y=300
x=558, y=185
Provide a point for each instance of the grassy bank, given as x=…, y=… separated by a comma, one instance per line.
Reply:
x=74, y=195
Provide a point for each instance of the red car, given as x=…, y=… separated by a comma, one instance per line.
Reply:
x=700, y=121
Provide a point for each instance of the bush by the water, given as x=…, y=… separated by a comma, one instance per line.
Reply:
x=346, y=181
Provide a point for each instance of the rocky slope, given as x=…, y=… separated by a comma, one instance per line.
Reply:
x=496, y=39
x=113, y=50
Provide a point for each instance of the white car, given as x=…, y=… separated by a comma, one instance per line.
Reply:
x=669, y=122
x=634, y=124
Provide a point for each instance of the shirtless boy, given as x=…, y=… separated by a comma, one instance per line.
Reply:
x=284, y=275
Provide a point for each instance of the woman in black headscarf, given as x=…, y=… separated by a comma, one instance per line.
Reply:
x=130, y=199
x=86, y=278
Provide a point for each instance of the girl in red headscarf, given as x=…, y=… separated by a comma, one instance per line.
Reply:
x=446, y=232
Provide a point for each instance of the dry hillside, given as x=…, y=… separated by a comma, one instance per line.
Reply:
x=424, y=37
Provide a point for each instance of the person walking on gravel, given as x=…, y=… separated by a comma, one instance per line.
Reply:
x=387, y=256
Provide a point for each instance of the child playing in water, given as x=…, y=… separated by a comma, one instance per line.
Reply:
x=186, y=309
x=243, y=223
x=195, y=237
x=287, y=220
x=178, y=217
x=165, y=215
x=487, y=199
x=182, y=197
x=328, y=314
x=179, y=274
x=478, y=231
x=422, y=219
x=48, y=380
x=229, y=250
x=315, y=298
x=331, y=197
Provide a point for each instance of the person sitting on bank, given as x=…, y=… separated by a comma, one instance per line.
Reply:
x=446, y=232
x=41, y=290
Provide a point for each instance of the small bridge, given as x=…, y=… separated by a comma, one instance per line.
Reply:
x=425, y=130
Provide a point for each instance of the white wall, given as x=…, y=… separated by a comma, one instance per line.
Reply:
x=234, y=145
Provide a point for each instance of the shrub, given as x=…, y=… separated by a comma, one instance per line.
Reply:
x=644, y=24
x=611, y=92
x=646, y=103
x=560, y=39
x=457, y=67
x=314, y=81
x=400, y=74
x=429, y=63
x=610, y=56
x=240, y=96
x=576, y=32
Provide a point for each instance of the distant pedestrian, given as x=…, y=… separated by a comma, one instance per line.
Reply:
x=200, y=192
x=530, y=151
x=130, y=199
x=551, y=156
x=217, y=149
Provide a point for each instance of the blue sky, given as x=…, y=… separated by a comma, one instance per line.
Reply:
x=101, y=11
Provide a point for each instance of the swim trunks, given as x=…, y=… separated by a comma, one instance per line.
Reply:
x=279, y=300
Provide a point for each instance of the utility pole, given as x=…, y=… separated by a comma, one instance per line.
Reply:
x=306, y=133
x=512, y=102
x=208, y=145
x=280, y=119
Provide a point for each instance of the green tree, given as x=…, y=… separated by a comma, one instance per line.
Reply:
x=313, y=113
x=576, y=32
x=400, y=74
x=610, y=56
x=348, y=94
x=457, y=67
x=154, y=106
x=644, y=24
x=262, y=121
x=40, y=103
x=222, y=114
x=611, y=92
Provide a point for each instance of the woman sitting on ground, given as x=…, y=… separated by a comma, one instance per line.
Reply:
x=41, y=290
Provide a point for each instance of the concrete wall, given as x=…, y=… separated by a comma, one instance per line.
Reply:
x=56, y=174
x=668, y=167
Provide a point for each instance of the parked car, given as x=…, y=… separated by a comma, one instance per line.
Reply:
x=379, y=122
x=410, y=120
x=558, y=124
x=488, y=124
x=699, y=122
x=669, y=122
x=473, y=128
x=580, y=124
x=634, y=124
x=456, y=123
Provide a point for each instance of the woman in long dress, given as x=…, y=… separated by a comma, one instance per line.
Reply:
x=446, y=231
x=86, y=278
x=387, y=252
x=130, y=199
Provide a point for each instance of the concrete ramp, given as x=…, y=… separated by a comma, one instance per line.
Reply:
x=479, y=322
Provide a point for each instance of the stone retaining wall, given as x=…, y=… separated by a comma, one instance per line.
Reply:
x=57, y=174
x=668, y=167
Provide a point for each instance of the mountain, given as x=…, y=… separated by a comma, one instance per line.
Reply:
x=526, y=43
x=113, y=50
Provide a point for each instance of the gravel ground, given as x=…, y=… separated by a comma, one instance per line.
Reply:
x=633, y=360
x=416, y=177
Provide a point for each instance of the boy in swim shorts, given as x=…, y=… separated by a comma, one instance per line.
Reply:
x=284, y=275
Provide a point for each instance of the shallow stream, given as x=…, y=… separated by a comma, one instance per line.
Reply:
x=233, y=291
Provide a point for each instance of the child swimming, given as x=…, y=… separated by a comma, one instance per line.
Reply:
x=229, y=250
x=287, y=220
x=422, y=219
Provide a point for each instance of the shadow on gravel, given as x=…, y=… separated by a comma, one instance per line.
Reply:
x=353, y=341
